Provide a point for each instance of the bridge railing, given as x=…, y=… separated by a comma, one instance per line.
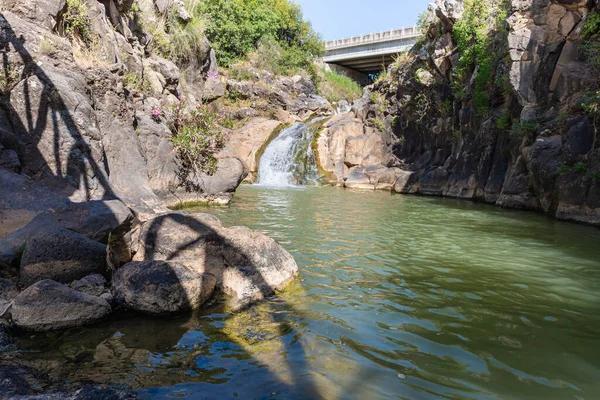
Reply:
x=372, y=38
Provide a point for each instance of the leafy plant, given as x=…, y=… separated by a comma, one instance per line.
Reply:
x=561, y=119
x=590, y=43
x=138, y=83
x=76, y=20
x=563, y=170
x=479, y=34
x=581, y=167
x=379, y=99
x=504, y=121
x=379, y=124
x=235, y=28
x=197, y=136
x=446, y=107
x=8, y=78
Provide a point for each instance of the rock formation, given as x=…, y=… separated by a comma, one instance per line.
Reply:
x=508, y=130
x=88, y=168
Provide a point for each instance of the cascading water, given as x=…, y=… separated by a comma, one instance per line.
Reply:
x=289, y=159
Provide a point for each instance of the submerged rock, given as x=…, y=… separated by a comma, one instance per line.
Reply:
x=248, y=265
x=62, y=256
x=49, y=305
x=12, y=382
x=161, y=287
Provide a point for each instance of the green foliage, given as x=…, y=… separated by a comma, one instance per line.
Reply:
x=138, y=83
x=381, y=77
x=561, y=119
x=476, y=34
x=590, y=44
x=581, y=167
x=456, y=135
x=528, y=126
x=186, y=39
x=592, y=26
x=197, y=136
x=379, y=124
x=279, y=59
x=235, y=28
x=379, y=100
x=76, y=20
x=335, y=87
x=240, y=72
x=504, y=121
x=446, y=107
x=596, y=177
x=563, y=170
x=8, y=78
x=591, y=104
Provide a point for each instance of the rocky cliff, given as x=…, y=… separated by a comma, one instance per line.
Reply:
x=496, y=104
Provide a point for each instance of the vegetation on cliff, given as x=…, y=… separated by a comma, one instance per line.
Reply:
x=336, y=87
x=237, y=27
x=480, y=40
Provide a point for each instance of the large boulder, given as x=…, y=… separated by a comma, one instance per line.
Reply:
x=49, y=305
x=248, y=265
x=62, y=256
x=8, y=291
x=94, y=285
x=161, y=287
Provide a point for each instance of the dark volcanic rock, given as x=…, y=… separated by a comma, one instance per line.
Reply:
x=94, y=285
x=161, y=287
x=62, y=256
x=248, y=265
x=49, y=305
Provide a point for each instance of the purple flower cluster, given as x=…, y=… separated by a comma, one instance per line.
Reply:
x=215, y=75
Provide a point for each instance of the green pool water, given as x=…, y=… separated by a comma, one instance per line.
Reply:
x=399, y=297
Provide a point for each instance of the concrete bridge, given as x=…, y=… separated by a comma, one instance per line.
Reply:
x=362, y=55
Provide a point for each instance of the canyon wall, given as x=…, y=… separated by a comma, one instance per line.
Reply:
x=505, y=116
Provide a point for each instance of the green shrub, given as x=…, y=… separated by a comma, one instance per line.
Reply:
x=335, y=87
x=379, y=100
x=379, y=124
x=138, y=83
x=8, y=78
x=504, y=121
x=563, y=170
x=596, y=177
x=446, y=107
x=186, y=39
x=581, y=167
x=235, y=28
x=590, y=45
x=561, y=119
x=479, y=34
x=76, y=20
x=197, y=136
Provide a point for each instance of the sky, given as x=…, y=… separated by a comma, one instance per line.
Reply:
x=338, y=19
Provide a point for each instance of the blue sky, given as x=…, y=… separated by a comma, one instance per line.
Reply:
x=337, y=19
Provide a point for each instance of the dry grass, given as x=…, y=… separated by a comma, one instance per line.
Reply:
x=90, y=56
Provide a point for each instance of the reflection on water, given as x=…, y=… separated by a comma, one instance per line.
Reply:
x=399, y=297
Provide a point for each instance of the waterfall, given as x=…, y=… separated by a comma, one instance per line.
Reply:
x=289, y=159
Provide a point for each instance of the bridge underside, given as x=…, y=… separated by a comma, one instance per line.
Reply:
x=366, y=65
